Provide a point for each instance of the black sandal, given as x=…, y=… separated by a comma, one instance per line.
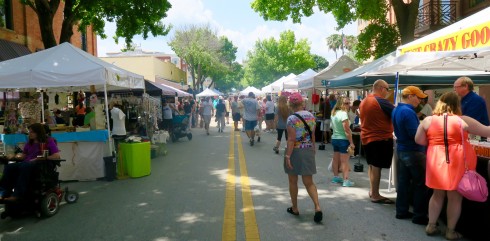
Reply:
x=318, y=216
x=290, y=210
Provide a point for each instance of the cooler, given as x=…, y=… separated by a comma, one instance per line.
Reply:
x=136, y=158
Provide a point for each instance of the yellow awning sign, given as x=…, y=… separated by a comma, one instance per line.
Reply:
x=468, y=38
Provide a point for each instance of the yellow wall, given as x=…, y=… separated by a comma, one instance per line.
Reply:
x=149, y=67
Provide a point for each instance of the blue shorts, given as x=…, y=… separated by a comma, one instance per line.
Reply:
x=250, y=125
x=340, y=145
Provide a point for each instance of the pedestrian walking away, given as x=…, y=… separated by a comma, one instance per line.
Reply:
x=250, y=116
x=281, y=116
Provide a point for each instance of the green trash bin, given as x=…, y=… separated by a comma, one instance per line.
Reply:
x=136, y=158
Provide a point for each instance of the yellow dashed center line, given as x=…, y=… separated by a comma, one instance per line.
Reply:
x=251, y=228
x=229, y=219
x=229, y=222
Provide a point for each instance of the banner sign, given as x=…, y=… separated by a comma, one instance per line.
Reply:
x=468, y=38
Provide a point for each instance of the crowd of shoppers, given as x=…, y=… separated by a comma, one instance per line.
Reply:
x=424, y=159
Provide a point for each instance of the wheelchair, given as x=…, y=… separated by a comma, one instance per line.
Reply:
x=44, y=193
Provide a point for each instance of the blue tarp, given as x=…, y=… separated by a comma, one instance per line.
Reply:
x=88, y=136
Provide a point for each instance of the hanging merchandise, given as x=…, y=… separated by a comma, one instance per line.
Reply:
x=81, y=96
x=315, y=98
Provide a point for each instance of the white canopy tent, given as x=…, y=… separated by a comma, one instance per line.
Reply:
x=62, y=68
x=293, y=83
x=460, y=62
x=271, y=88
x=208, y=92
x=249, y=89
x=66, y=68
x=278, y=85
x=343, y=65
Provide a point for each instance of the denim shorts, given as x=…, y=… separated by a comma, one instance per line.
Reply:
x=340, y=145
x=250, y=125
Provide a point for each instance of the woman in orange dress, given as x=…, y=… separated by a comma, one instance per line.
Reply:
x=443, y=174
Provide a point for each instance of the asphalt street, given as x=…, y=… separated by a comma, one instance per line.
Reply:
x=218, y=187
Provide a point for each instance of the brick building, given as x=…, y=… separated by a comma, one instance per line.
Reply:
x=19, y=29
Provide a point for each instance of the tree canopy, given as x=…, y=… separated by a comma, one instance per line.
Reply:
x=131, y=18
x=320, y=63
x=206, y=54
x=270, y=59
x=348, y=11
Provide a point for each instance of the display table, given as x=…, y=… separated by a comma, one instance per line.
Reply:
x=84, y=152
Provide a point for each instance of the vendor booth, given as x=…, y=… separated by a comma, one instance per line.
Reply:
x=249, y=89
x=313, y=86
x=343, y=65
x=208, y=92
x=293, y=83
x=67, y=69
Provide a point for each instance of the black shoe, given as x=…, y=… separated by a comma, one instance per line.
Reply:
x=421, y=221
x=258, y=139
x=404, y=215
x=318, y=216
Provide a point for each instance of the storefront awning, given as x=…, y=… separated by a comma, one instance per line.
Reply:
x=11, y=50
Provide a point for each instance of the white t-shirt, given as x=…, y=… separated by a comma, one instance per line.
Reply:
x=269, y=107
x=118, y=122
x=207, y=107
x=167, y=112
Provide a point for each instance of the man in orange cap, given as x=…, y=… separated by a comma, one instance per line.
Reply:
x=411, y=158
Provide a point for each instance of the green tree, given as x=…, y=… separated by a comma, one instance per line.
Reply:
x=320, y=62
x=2, y=13
x=347, y=11
x=230, y=72
x=131, y=17
x=231, y=79
x=206, y=54
x=271, y=59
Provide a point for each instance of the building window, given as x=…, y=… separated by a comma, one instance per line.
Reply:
x=6, y=14
x=84, y=41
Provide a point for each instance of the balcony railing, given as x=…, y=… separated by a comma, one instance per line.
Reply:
x=435, y=15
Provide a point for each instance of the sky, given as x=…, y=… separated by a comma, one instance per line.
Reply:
x=236, y=20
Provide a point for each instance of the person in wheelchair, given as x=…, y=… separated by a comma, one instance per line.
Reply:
x=17, y=176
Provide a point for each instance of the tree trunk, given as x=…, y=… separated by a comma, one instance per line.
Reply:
x=199, y=74
x=68, y=22
x=406, y=16
x=45, y=14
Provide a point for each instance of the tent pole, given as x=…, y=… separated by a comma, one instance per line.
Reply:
x=42, y=106
x=391, y=174
x=107, y=117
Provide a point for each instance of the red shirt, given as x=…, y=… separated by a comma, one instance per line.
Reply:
x=375, y=115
